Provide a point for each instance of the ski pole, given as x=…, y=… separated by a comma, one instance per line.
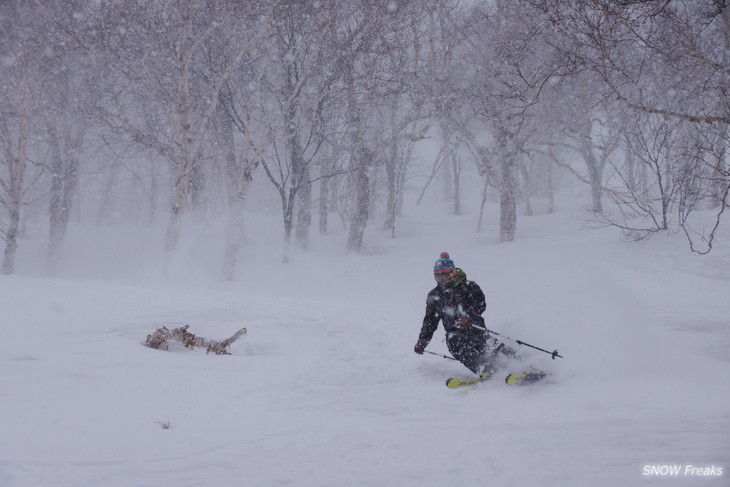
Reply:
x=554, y=353
x=439, y=355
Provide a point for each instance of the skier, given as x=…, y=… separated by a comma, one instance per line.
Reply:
x=459, y=303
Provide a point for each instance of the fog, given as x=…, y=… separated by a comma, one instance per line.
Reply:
x=117, y=114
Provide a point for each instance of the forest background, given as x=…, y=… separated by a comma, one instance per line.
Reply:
x=178, y=114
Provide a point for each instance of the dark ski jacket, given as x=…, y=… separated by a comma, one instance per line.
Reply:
x=449, y=303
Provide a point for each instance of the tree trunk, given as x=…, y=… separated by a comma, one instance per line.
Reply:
x=55, y=206
x=288, y=223
x=304, y=209
x=391, y=174
x=180, y=196
x=595, y=169
x=526, y=189
x=238, y=177
x=154, y=190
x=393, y=166
x=197, y=186
x=235, y=230
x=361, y=160
x=361, y=212
x=720, y=176
x=11, y=241
x=483, y=203
x=182, y=167
x=507, y=201
x=456, y=167
x=507, y=188
x=324, y=194
x=14, y=203
x=107, y=202
x=631, y=166
x=64, y=180
x=550, y=188
x=401, y=178
x=14, y=187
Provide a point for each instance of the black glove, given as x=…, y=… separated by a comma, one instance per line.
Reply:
x=419, y=348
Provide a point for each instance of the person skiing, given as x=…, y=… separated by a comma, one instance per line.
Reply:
x=459, y=303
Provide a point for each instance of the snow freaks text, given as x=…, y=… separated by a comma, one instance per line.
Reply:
x=682, y=471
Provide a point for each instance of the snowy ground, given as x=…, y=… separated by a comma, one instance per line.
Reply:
x=325, y=389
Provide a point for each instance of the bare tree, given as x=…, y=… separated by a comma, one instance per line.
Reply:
x=379, y=42
x=647, y=211
x=156, y=49
x=704, y=184
x=70, y=94
x=428, y=31
x=356, y=40
x=240, y=160
x=239, y=137
x=666, y=62
x=513, y=62
x=449, y=91
x=302, y=79
x=20, y=71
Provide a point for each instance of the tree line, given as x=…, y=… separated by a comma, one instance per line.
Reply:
x=170, y=105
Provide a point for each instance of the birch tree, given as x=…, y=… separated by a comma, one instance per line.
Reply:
x=239, y=160
x=20, y=72
x=239, y=136
x=376, y=46
x=302, y=79
x=425, y=35
x=70, y=94
x=156, y=49
x=512, y=62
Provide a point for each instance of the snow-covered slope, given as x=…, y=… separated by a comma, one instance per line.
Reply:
x=325, y=389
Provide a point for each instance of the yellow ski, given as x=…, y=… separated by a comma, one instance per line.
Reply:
x=527, y=377
x=454, y=383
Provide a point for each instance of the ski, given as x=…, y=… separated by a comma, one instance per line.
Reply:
x=528, y=376
x=455, y=383
x=523, y=378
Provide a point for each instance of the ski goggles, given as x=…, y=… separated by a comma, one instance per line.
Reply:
x=443, y=276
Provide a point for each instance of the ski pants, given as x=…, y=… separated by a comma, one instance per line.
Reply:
x=475, y=349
